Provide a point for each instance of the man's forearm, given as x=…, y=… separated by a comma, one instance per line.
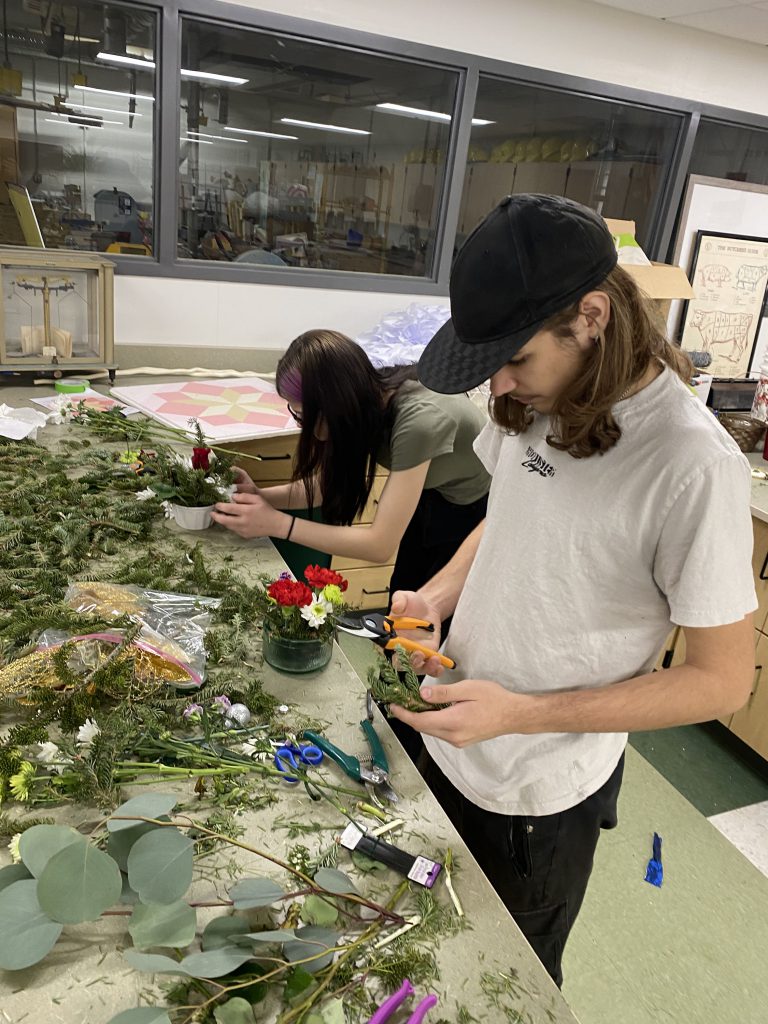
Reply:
x=658, y=700
x=443, y=590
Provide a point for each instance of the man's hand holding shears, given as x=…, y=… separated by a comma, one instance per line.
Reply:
x=480, y=709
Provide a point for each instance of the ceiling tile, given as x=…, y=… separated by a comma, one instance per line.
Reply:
x=670, y=8
x=742, y=22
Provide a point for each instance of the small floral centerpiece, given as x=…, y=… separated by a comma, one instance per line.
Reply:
x=300, y=618
x=190, y=485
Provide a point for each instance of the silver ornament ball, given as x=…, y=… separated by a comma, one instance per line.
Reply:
x=238, y=714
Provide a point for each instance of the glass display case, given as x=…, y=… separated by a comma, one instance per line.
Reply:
x=56, y=311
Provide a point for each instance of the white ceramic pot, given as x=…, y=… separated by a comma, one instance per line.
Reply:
x=192, y=518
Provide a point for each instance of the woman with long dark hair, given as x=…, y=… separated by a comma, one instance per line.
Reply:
x=353, y=418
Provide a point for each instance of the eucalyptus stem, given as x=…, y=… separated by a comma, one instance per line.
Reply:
x=298, y=1012
x=313, y=886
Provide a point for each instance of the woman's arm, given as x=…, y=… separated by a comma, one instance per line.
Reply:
x=250, y=515
x=290, y=495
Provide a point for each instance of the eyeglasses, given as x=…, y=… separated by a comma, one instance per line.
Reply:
x=296, y=415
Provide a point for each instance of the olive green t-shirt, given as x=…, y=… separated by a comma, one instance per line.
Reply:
x=441, y=429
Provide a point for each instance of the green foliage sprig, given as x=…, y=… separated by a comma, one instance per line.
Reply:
x=398, y=686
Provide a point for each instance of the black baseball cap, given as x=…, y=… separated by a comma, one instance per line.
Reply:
x=532, y=257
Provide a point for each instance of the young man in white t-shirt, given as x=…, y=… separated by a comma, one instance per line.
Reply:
x=618, y=508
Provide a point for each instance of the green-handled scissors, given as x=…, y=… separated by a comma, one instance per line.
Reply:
x=373, y=775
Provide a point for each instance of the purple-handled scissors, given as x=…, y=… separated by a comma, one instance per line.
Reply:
x=389, y=1006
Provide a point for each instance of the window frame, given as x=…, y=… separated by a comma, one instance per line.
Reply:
x=469, y=67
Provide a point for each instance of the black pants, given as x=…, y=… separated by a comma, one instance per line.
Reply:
x=435, y=533
x=539, y=866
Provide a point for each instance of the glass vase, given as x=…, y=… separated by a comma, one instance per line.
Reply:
x=295, y=655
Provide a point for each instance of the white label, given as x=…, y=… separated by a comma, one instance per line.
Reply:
x=351, y=836
x=422, y=870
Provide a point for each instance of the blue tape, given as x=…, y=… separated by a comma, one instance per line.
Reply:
x=654, y=873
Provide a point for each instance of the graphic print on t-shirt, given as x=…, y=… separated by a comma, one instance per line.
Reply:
x=536, y=463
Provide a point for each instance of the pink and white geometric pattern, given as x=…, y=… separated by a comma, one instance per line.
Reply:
x=228, y=410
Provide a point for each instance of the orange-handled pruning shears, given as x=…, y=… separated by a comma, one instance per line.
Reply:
x=383, y=630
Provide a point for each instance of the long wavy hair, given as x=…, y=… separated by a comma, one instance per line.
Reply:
x=341, y=394
x=635, y=336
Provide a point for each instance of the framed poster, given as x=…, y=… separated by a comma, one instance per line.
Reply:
x=729, y=275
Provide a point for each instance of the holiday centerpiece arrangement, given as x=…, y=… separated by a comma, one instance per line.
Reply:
x=189, y=486
x=300, y=618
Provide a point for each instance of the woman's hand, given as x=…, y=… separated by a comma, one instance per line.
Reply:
x=410, y=604
x=244, y=483
x=250, y=515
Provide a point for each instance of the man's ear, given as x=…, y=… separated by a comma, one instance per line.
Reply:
x=596, y=307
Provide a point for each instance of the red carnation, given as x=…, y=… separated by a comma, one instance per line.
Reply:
x=318, y=577
x=290, y=593
x=200, y=458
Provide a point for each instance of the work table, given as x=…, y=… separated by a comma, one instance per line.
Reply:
x=86, y=978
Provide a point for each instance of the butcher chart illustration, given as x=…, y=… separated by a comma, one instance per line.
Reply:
x=723, y=318
x=228, y=410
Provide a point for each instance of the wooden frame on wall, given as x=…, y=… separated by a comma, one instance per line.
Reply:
x=729, y=276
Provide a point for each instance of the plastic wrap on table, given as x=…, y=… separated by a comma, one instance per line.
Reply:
x=157, y=659
x=174, y=622
x=399, y=338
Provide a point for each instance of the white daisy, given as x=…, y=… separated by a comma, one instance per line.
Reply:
x=51, y=755
x=87, y=733
x=316, y=613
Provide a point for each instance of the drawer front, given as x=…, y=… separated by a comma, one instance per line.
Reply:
x=368, y=588
x=369, y=512
x=275, y=462
x=750, y=723
x=760, y=570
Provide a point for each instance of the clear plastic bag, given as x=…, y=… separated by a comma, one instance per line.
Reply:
x=174, y=624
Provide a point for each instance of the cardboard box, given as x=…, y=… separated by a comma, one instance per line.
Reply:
x=660, y=281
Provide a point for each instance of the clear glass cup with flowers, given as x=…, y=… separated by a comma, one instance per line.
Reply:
x=299, y=619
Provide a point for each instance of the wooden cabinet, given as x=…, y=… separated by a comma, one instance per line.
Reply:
x=750, y=723
x=368, y=581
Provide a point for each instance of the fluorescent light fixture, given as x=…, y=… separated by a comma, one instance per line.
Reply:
x=428, y=115
x=224, y=138
x=210, y=76
x=73, y=124
x=323, y=127
x=199, y=142
x=106, y=110
x=116, y=92
x=420, y=112
x=85, y=117
x=265, y=135
x=121, y=58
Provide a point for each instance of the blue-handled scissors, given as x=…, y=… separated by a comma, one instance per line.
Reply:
x=295, y=756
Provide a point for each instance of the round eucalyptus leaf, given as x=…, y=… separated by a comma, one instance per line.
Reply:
x=154, y=963
x=215, y=962
x=316, y=910
x=234, y=1011
x=148, y=805
x=162, y=924
x=39, y=843
x=120, y=843
x=311, y=942
x=78, y=884
x=12, y=873
x=224, y=931
x=26, y=933
x=160, y=865
x=279, y=935
x=334, y=881
x=142, y=1015
x=255, y=892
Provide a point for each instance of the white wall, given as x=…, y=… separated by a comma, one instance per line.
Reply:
x=570, y=36
x=168, y=311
